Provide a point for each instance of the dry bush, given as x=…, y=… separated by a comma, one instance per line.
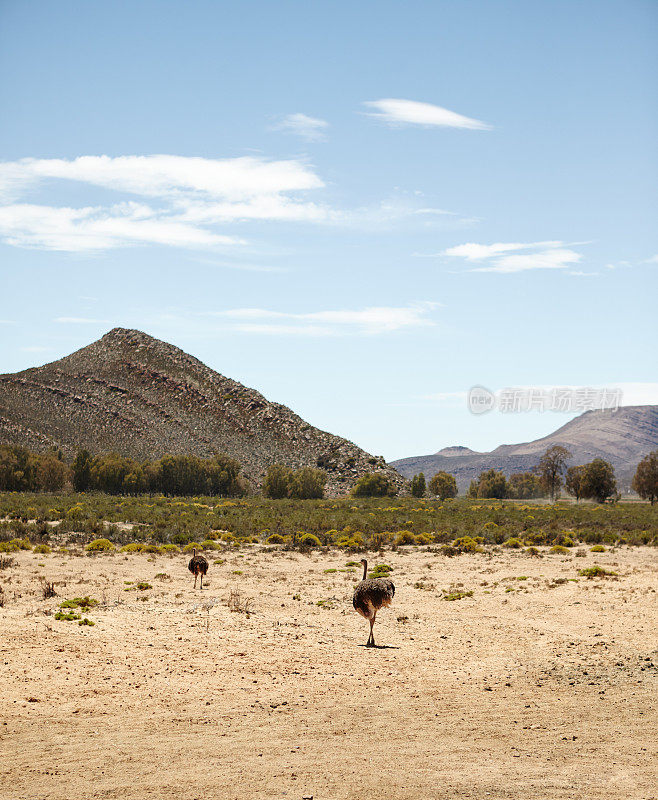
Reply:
x=48, y=589
x=237, y=603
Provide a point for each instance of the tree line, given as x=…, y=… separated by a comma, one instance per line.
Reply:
x=592, y=481
x=24, y=470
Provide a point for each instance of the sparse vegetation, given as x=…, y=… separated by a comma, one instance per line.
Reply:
x=455, y=594
x=381, y=571
x=161, y=525
x=99, y=546
x=83, y=603
x=595, y=572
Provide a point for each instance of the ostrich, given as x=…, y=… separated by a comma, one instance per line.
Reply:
x=197, y=566
x=369, y=596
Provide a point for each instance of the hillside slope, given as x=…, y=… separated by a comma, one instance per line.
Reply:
x=144, y=398
x=622, y=437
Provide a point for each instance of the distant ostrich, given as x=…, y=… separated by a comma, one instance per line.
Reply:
x=369, y=596
x=198, y=566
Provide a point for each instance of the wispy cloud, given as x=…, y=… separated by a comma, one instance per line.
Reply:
x=395, y=111
x=187, y=197
x=366, y=321
x=310, y=128
x=178, y=201
x=98, y=228
x=509, y=257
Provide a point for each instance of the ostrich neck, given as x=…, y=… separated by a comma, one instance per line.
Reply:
x=365, y=570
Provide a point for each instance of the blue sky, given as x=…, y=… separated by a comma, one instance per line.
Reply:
x=360, y=209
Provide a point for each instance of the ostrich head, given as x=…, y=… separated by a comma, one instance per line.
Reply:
x=194, y=552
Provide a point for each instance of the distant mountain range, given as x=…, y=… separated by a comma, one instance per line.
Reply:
x=622, y=437
x=144, y=398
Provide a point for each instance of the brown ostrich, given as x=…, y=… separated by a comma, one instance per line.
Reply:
x=198, y=566
x=369, y=596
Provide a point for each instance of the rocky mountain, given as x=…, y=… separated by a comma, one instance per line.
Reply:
x=622, y=437
x=144, y=398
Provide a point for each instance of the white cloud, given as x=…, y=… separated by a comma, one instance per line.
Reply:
x=187, y=195
x=310, y=128
x=176, y=201
x=478, y=252
x=506, y=257
x=410, y=112
x=558, y=258
x=367, y=321
x=98, y=228
x=652, y=260
x=158, y=175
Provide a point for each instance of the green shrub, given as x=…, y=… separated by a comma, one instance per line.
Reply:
x=376, y=484
x=310, y=540
x=466, y=544
x=132, y=547
x=513, y=542
x=381, y=571
x=69, y=616
x=275, y=538
x=41, y=548
x=423, y=538
x=100, y=546
x=209, y=544
x=558, y=548
x=595, y=572
x=84, y=603
x=170, y=548
x=405, y=537
x=143, y=586
x=455, y=594
x=598, y=548
x=532, y=551
x=86, y=621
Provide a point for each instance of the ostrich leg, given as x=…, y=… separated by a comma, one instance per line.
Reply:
x=371, y=639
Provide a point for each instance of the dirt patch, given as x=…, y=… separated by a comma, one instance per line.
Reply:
x=540, y=684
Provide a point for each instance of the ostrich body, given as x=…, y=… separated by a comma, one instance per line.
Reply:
x=369, y=596
x=198, y=566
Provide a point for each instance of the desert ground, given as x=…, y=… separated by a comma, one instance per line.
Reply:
x=542, y=684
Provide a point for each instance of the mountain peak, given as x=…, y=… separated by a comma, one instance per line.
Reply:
x=622, y=436
x=141, y=397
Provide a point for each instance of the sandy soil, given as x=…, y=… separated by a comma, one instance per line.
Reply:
x=547, y=690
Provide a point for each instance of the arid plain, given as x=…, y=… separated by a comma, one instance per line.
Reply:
x=542, y=684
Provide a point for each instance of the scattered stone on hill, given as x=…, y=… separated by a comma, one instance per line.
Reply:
x=131, y=393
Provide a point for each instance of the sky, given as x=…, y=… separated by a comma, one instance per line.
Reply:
x=362, y=209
